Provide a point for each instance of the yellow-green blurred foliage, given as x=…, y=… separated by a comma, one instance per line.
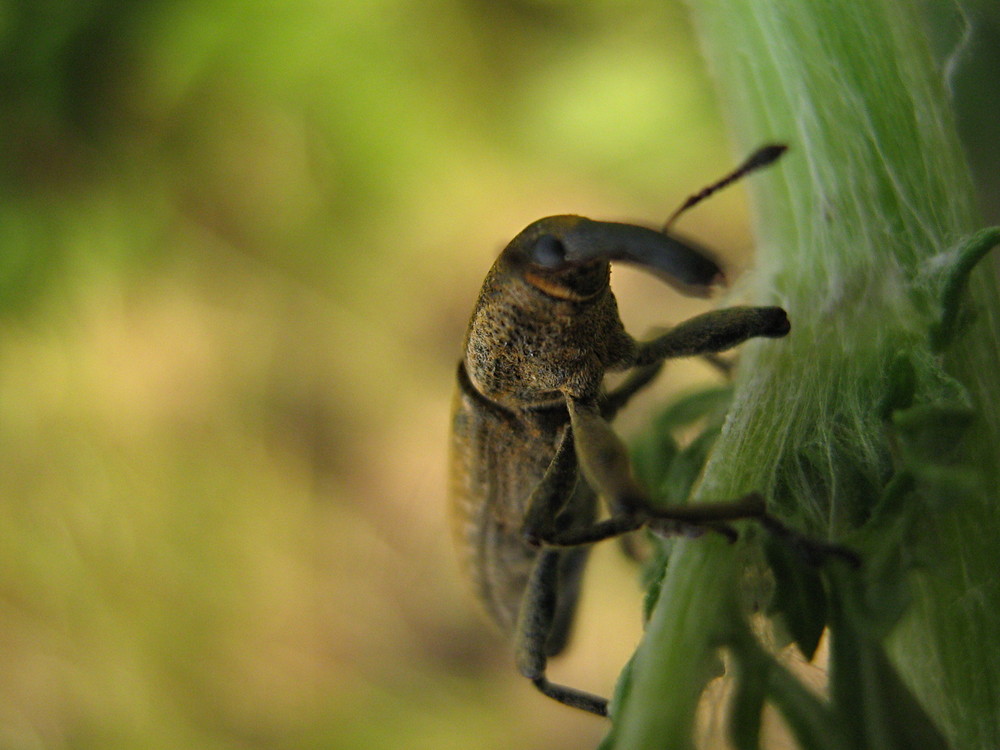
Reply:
x=238, y=245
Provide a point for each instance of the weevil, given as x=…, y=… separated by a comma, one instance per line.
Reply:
x=532, y=448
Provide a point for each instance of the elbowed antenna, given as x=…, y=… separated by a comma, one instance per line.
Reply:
x=555, y=241
x=762, y=157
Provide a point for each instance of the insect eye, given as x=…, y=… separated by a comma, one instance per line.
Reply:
x=548, y=251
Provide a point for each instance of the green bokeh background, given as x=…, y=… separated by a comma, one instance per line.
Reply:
x=239, y=242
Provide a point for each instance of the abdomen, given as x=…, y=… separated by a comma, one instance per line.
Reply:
x=498, y=458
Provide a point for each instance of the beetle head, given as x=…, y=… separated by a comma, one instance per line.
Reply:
x=568, y=256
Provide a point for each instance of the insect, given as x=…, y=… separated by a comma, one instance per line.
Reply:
x=532, y=448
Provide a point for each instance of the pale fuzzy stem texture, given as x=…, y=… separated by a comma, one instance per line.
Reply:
x=854, y=226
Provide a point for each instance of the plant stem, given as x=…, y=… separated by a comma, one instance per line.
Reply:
x=854, y=226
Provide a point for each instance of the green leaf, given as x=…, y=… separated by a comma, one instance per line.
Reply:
x=652, y=577
x=747, y=708
x=932, y=432
x=963, y=260
x=889, y=547
x=873, y=704
x=686, y=467
x=901, y=385
x=809, y=717
x=622, y=688
x=652, y=454
x=799, y=595
x=688, y=409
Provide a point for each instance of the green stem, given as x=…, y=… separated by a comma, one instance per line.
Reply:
x=860, y=228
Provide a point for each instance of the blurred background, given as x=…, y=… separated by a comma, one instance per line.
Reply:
x=239, y=244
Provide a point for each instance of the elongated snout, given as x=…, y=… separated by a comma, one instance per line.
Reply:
x=678, y=262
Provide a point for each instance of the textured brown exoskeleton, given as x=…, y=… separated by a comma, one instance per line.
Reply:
x=531, y=444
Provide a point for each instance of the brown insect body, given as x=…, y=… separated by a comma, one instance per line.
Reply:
x=531, y=447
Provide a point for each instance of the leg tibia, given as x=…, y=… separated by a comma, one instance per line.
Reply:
x=714, y=331
x=534, y=629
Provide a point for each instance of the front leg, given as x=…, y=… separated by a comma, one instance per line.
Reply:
x=604, y=461
x=714, y=332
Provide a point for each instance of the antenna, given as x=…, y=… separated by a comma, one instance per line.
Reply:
x=762, y=157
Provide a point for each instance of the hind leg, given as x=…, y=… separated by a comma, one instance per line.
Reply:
x=535, y=630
